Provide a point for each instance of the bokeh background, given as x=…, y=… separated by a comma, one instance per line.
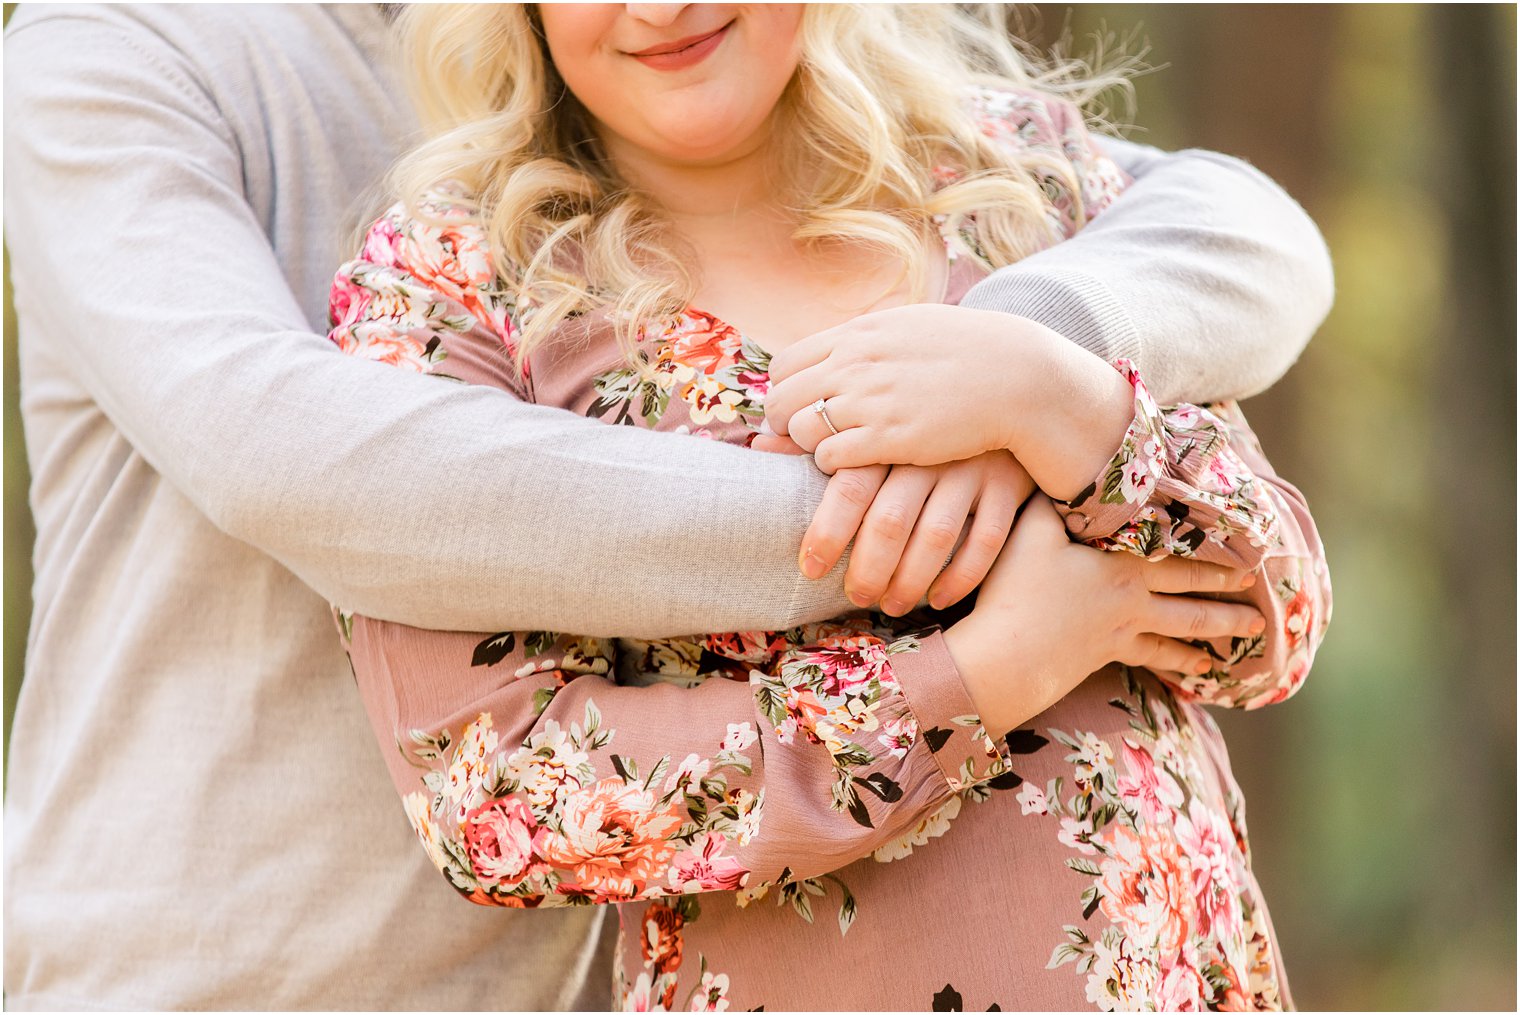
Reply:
x=1382, y=797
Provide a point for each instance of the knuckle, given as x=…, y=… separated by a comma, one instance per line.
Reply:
x=870, y=585
x=890, y=522
x=987, y=542
x=1198, y=619
x=855, y=488
x=907, y=590
x=941, y=532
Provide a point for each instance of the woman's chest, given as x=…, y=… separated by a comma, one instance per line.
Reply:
x=697, y=374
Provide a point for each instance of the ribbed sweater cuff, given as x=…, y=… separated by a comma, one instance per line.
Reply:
x=1072, y=303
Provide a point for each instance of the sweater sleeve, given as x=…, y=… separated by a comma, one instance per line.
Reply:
x=532, y=779
x=137, y=254
x=1192, y=481
x=1205, y=273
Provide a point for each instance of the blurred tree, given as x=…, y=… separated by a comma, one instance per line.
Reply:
x=1382, y=799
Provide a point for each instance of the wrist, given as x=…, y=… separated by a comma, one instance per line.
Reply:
x=1078, y=410
x=988, y=670
x=1007, y=369
x=1010, y=679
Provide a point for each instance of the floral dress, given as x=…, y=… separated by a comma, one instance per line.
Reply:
x=815, y=818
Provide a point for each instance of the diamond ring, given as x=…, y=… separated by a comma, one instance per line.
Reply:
x=818, y=407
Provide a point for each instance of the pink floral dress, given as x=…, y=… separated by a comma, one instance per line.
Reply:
x=815, y=818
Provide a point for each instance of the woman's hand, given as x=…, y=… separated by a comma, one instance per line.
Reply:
x=915, y=385
x=1051, y=612
x=906, y=521
x=930, y=383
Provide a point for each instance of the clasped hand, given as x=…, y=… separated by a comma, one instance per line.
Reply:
x=948, y=421
x=971, y=409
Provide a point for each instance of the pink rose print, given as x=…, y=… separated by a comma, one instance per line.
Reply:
x=1210, y=847
x=382, y=243
x=1182, y=989
x=1300, y=619
x=849, y=667
x=703, y=342
x=1150, y=790
x=1146, y=888
x=346, y=301
x=498, y=838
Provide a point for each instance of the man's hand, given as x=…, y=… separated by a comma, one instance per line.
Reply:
x=907, y=521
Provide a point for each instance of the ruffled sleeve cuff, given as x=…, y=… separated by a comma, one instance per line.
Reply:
x=1174, y=486
x=948, y=728
x=1124, y=487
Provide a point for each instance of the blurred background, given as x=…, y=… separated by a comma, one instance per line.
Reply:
x=1382, y=798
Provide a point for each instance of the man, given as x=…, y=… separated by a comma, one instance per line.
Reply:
x=197, y=815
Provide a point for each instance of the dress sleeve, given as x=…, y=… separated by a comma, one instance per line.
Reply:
x=533, y=779
x=421, y=296
x=1192, y=481
x=1080, y=181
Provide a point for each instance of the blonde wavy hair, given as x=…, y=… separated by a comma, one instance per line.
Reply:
x=878, y=101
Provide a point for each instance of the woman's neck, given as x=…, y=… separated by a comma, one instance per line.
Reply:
x=705, y=199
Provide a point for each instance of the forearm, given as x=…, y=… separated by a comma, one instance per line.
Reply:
x=533, y=779
x=137, y=252
x=1204, y=273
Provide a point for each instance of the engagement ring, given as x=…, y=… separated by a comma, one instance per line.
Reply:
x=818, y=408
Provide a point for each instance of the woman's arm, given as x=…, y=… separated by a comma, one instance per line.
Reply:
x=532, y=779
x=1192, y=481
x=1189, y=488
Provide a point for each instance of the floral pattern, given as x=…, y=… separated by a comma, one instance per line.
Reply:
x=559, y=818
x=1164, y=868
x=721, y=786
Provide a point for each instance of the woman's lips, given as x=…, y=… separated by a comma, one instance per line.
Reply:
x=682, y=53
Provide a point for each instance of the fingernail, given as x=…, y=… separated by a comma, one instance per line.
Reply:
x=1258, y=625
x=893, y=608
x=812, y=566
x=1248, y=581
x=858, y=598
x=1202, y=666
x=937, y=601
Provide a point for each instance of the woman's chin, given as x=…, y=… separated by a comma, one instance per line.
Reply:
x=697, y=149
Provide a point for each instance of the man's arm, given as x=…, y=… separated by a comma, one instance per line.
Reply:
x=1205, y=273
x=136, y=249
x=136, y=253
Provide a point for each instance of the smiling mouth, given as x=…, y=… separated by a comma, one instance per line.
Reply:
x=681, y=52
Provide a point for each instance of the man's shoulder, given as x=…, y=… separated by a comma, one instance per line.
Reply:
x=206, y=25
x=212, y=43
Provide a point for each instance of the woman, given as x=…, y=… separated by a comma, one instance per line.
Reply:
x=732, y=792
